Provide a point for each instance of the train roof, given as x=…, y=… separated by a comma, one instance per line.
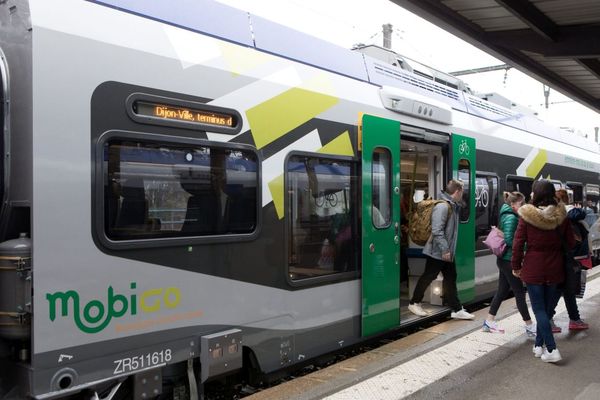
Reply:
x=249, y=30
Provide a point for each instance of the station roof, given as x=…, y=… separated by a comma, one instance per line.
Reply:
x=555, y=41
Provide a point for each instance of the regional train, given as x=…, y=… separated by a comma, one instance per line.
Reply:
x=188, y=192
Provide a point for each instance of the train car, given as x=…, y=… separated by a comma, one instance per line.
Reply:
x=188, y=191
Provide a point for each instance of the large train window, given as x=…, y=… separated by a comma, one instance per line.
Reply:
x=523, y=184
x=322, y=214
x=464, y=175
x=486, y=206
x=156, y=190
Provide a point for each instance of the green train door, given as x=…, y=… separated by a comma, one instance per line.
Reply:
x=463, y=168
x=380, y=224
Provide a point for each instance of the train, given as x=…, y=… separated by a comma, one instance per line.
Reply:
x=188, y=193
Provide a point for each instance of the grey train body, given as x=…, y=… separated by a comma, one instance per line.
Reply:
x=112, y=304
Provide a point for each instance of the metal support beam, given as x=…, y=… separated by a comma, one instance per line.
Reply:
x=533, y=17
x=574, y=42
x=591, y=65
x=480, y=70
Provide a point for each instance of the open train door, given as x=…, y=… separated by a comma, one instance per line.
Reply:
x=463, y=168
x=380, y=224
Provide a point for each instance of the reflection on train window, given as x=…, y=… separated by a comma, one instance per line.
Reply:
x=523, y=184
x=591, y=203
x=486, y=207
x=382, y=187
x=158, y=191
x=464, y=175
x=575, y=192
x=323, y=238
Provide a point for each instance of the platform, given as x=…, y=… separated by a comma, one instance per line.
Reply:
x=456, y=360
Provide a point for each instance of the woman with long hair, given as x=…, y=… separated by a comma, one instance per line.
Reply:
x=509, y=220
x=543, y=227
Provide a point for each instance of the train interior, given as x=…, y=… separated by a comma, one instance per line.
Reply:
x=161, y=191
x=421, y=177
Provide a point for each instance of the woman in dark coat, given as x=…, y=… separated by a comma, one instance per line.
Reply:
x=542, y=228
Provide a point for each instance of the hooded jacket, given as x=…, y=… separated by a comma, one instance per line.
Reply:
x=508, y=225
x=541, y=229
x=580, y=230
x=444, y=229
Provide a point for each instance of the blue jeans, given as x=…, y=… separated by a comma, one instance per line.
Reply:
x=543, y=299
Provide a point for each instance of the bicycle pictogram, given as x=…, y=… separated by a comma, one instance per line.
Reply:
x=463, y=147
x=323, y=199
x=481, y=196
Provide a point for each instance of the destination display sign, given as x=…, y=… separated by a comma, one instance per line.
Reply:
x=185, y=114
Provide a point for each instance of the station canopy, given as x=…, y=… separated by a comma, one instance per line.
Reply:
x=554, y=41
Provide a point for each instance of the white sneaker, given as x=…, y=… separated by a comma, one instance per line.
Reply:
x=491, y=327
x=551, y=357
x=417, y=309
x=530, y=330
x=462, y=314
x=538, y=351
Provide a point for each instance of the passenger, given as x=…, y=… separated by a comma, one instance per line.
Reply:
x=591, y=213
x=542, y=227
x=576, y=217
x=440, y=251
x=341, y=237
x=506, y=280
x=590, y=208
x=209, y=208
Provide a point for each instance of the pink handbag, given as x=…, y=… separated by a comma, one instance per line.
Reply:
x=495, y=242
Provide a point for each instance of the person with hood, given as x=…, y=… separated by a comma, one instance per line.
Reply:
x=576, y=217
x=543, y=227
x=440, y=251
x=506, y=280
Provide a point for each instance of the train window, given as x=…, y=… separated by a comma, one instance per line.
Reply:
x=176, y=190
x=575, y=191
x=523, y=184
x=557, y=184
x=486, y=206
x=464, y=175
x=382, y=187
x=592, y=202
x=323, y=233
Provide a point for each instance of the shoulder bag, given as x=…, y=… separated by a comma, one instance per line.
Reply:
x=495, y=242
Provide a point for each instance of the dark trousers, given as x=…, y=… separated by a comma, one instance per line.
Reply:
x=403, y=264
x=506, y=282
x=570, y=304
x=432, y=268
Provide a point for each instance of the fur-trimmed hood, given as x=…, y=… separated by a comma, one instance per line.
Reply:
x=545, y=218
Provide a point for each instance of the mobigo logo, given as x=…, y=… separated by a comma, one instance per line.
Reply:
x=96, y=314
